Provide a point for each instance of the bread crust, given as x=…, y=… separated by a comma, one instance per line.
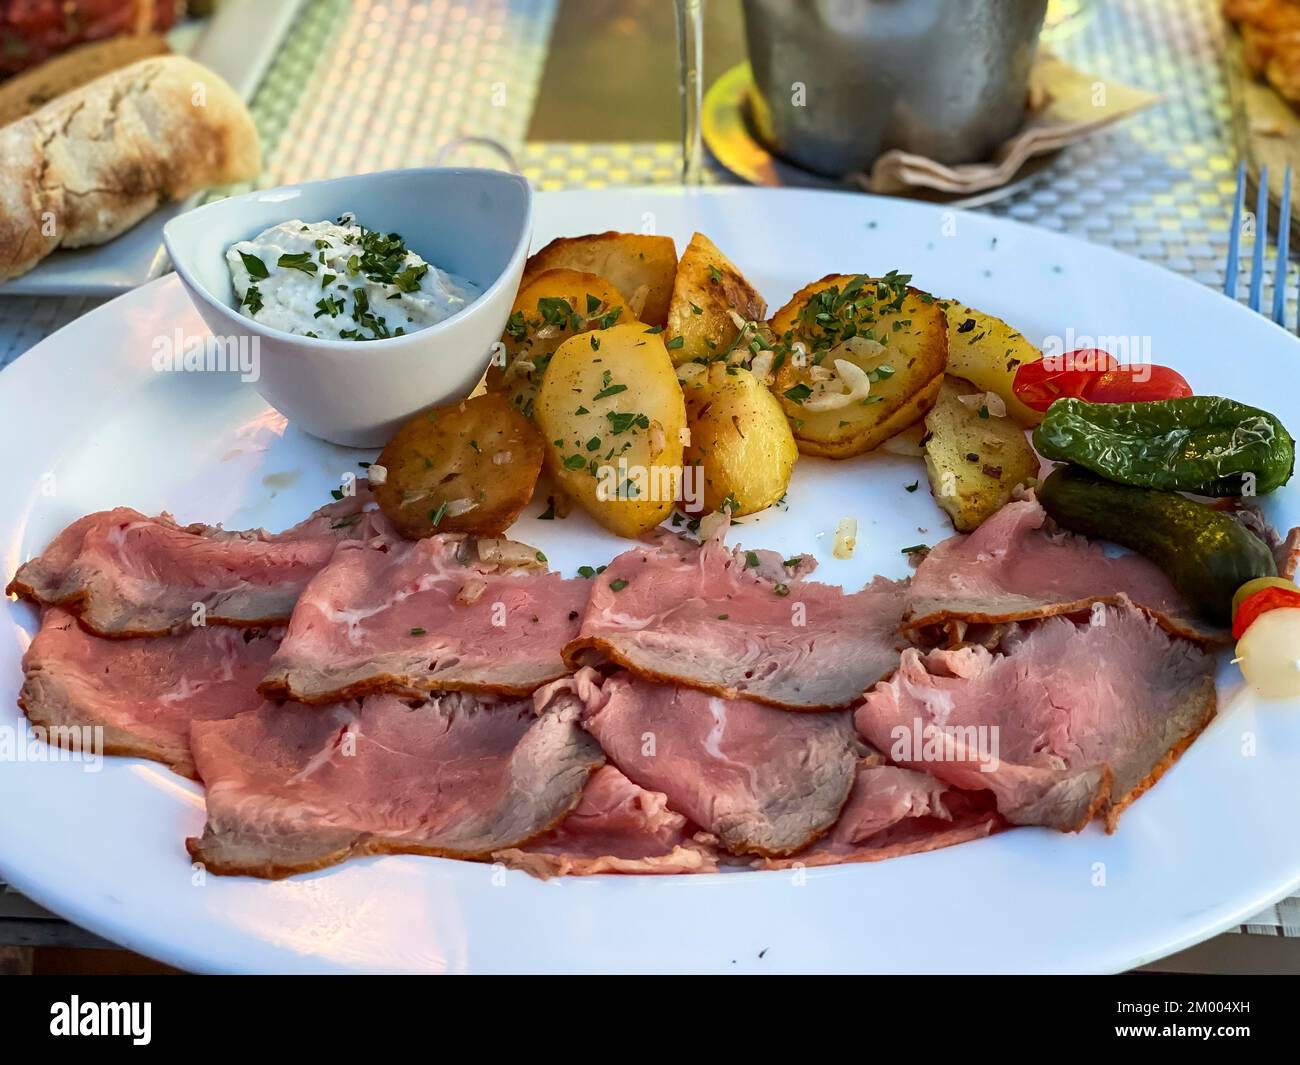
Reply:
x=91, y=164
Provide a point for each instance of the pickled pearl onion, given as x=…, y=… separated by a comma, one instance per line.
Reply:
x=1269, y=654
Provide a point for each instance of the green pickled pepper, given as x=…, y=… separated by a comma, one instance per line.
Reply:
x=1206, y=445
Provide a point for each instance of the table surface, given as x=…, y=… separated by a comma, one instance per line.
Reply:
x=564, y=84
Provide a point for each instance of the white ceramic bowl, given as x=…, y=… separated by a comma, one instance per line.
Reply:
x=474, y=223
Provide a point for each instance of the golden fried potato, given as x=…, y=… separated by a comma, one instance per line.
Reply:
x=707, y=289
x=740, y=440
x=641, y=267
x=974, y=458
x=549, y=308
x=612, y=415
x=861, y=359
x=987, y=352
x=467, y=467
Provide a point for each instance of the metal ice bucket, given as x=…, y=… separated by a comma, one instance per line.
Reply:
x=841, y=81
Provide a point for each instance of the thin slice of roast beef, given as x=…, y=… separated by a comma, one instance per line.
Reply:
x=764, y=781
x=143, y=692
x=740, y=624
x=293, y=788
x=1288, y=555
x=1067, y=720
x=1010, y=569
x=1285, y=547
x=125, y=574
x=617, y=827
x=892, y=812
x=423, y=616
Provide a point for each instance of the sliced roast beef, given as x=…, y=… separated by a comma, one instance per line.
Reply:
x=1011, y=569
x=740, y=624
x=424, y=616
x=293, y=788
x=1068, y=719
x=1285, y=548
x=125, y=574
x=617, y=827
x=1288, y=555
x=762, y=780
x=143, y=692
x=892, y=812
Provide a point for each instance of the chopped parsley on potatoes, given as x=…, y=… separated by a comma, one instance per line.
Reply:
x=612, y=420
x=467, y=467
x=860, y=359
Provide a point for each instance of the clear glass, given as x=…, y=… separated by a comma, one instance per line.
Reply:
x=690, y=74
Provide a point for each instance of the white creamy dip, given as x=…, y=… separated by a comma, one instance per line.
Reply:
x=340, y=281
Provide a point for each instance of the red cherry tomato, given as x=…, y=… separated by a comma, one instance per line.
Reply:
x=1261, y=602
x=1095, y=376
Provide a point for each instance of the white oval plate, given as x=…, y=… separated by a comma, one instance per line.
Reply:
x=88, y=425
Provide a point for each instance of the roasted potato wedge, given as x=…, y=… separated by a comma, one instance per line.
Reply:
x=974, y=459
x=467, y=467
x=740, y=440
x=987, y=352
x=549, y=308
x=641, y=267
x=612, y=418
x=894, y=340
x=707, y=289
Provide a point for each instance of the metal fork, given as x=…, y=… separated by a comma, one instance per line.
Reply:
x=1261, y=241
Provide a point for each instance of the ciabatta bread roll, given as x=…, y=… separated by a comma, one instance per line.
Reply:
x=90, y=164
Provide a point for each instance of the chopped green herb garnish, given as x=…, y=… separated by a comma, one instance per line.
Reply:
x=297, y=261
x=408, y=280
x=329, y=305
x=254, y=265
x=621, y=422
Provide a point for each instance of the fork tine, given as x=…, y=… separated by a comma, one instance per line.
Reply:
x=1261, y=239
x=1234, y=235
x=1283, y=240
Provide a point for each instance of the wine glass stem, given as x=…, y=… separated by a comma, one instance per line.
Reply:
x=690, y=34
